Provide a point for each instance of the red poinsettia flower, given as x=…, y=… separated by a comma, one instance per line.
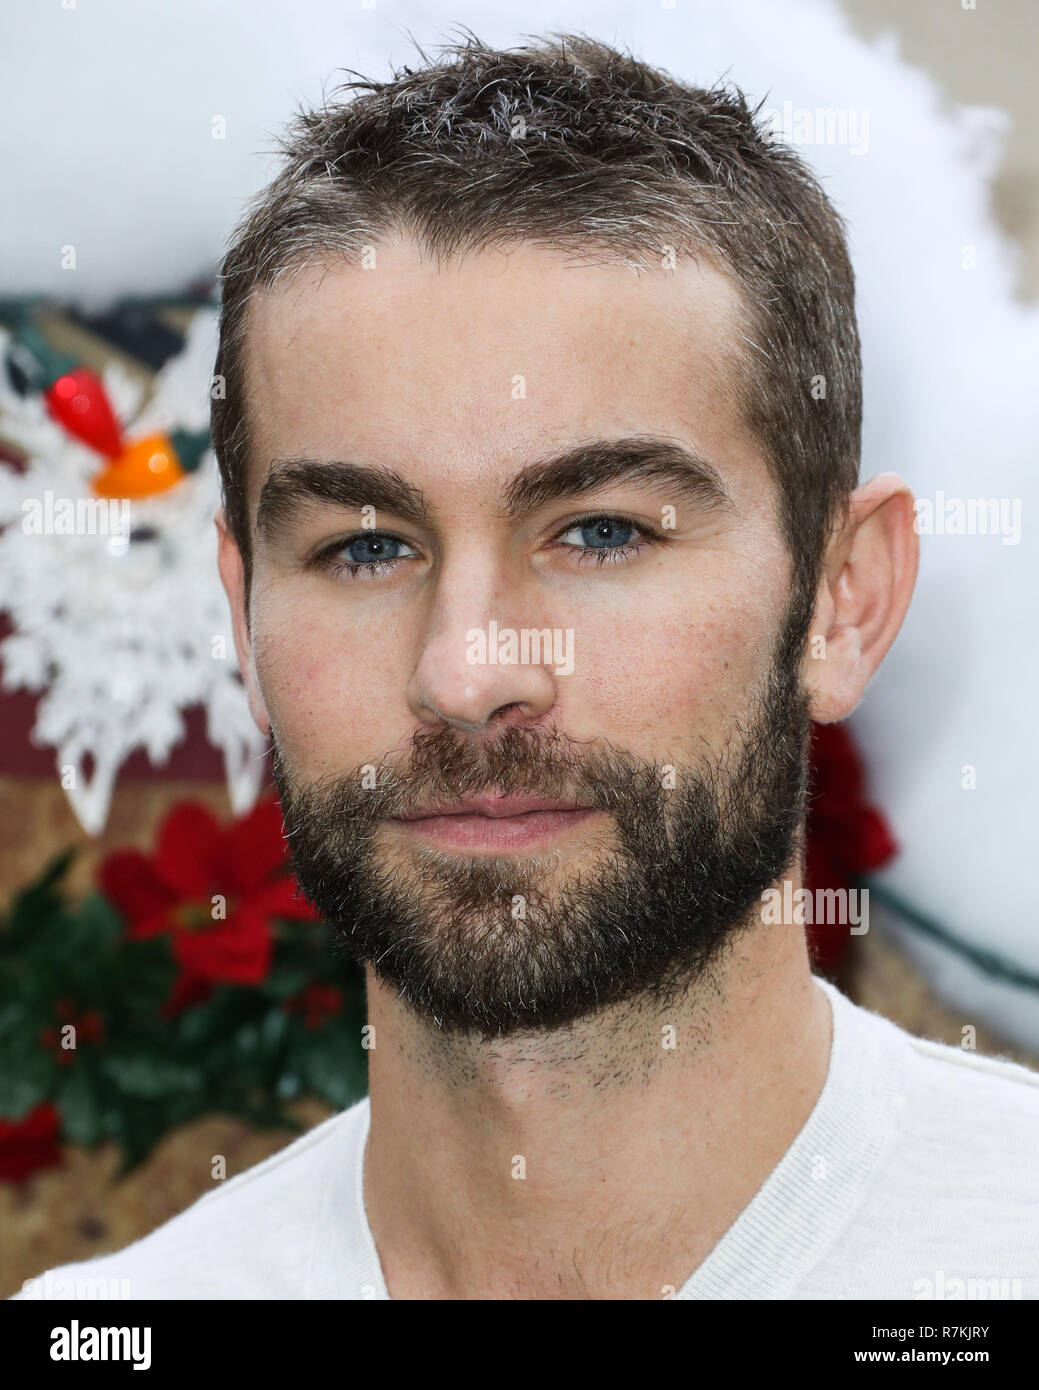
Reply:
x=214, y=889
x=29, y=1144
x=846, y=836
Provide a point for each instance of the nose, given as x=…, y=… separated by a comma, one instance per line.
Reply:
x=476, y=668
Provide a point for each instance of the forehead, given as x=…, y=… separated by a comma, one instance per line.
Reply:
x=458, y=374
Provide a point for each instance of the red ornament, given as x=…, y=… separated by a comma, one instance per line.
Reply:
x=29, y=1144
x=214, y=889
x=80, y=403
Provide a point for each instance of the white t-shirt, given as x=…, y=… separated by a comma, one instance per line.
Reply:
x=914, y=1177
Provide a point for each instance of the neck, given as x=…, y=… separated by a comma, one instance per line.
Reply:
x=603, y=1160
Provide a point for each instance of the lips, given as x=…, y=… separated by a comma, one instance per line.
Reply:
x=494, y=822
x=496, y=807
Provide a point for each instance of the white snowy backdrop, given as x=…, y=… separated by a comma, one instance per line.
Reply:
x=109, y=109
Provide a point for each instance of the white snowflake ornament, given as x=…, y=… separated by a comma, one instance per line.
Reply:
x=119, y=617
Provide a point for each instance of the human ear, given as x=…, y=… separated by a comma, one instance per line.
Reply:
x=868, y=574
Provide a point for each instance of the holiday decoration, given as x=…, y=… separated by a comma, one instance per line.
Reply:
x=108, y=561
x=212, y=892
x=78, y=401
x=847, y=837
x=30, y=1144
x=196, y=981
x=144, y=467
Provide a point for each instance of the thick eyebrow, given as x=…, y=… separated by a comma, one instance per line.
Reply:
x=641, y=458
x=295, y=483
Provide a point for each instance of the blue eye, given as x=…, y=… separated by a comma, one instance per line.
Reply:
x=374, y=554
x=368, y=554
x=603, y=532
x=606, y=540
x=372, y=548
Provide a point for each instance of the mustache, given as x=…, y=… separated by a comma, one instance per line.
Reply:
x=439, y=767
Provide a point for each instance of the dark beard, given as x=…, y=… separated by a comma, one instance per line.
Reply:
x=476, y=946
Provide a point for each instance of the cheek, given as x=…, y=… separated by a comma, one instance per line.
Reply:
x=666, y=673
x=325, y=684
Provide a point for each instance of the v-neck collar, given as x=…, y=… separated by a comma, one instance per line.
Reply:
x=806, y=1201
x=787, y=1227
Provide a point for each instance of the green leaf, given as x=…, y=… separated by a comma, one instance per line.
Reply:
x=218, y=1019
x=246, y=1042
x=99, y=918
x=144, y=975
x=16, y=1019
x=37, y=902
x=331, y=1062
x=288, y=1085
x=150, y=1077
x=286, y=979
x=26, y=1079
x=140, y=1131
x=274, y=1029
x=81, y=1112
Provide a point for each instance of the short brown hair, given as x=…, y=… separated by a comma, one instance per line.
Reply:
x=573, y=144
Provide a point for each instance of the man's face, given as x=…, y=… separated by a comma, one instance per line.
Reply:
x=390, y=599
